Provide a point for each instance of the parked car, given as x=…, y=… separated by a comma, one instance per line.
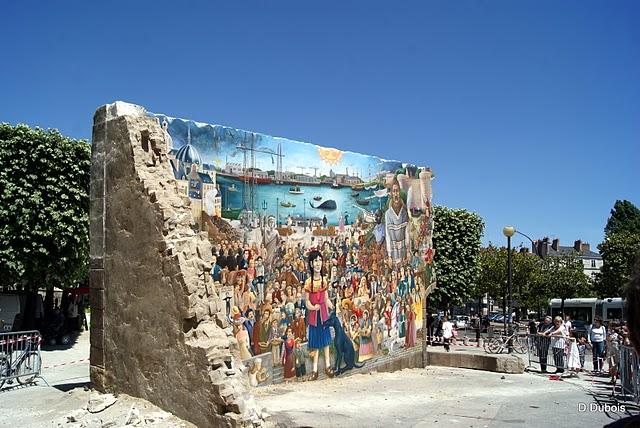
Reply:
x=461, y=321
x=11, y=309
x=500, y=319
x=495, y=315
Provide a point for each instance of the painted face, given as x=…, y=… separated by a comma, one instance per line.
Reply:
x=317, y=264
x=395, y=193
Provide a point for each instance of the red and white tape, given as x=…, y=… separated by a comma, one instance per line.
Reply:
x=68, y=363
x=20, y=339
x=462, y=344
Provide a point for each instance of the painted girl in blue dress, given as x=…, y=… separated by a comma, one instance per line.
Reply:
x=318, y=306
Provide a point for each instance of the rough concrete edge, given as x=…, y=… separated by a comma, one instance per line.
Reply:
x=103, y=116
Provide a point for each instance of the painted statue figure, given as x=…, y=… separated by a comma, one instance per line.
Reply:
x=396, y=219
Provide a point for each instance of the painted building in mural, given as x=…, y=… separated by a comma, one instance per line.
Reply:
x=367, y=220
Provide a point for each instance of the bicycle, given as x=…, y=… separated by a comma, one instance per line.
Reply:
x=498, y=344
x=26, y=367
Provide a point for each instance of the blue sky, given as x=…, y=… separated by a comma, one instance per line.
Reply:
x=527, y=111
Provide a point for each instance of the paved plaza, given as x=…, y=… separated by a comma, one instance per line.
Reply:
x=443, y=396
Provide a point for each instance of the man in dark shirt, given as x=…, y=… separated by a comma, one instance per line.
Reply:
x=543, y=342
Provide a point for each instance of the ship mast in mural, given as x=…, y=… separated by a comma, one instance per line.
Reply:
x=250, y=176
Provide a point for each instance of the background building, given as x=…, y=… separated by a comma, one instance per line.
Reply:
x=592, y=261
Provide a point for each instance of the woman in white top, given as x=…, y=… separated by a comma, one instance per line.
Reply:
x=558, y=340
x=447, y=332
x=597, y=336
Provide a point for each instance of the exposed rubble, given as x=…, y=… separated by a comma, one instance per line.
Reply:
x=156, y=328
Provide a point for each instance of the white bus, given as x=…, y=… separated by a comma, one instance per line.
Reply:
x=587, y=309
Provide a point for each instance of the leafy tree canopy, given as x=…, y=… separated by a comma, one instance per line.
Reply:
x=619, y=254
x=625, y=217
x=527, y=286
x=620, y=249
x=456, y=240
x=44, y=194
x=565, y=278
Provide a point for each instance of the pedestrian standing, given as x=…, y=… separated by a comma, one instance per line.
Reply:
x=582, y=350
x=597, y=337
x=543, y=342
x=613, y=351
x=447, y=332
x=558, y=340
x=72, y=314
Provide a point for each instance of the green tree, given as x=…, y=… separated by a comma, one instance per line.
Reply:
x=620, y=249
x=527, y=283
x=44, y=221
x=492, y=272
x=564, y=277
x=619, y=252
x=625, y=217
x=456, y=240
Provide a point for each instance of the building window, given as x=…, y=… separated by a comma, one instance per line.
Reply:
x=593, y=263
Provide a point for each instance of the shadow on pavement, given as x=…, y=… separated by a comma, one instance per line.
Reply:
x=608, y=396
x=65, y=387
x=60, y=343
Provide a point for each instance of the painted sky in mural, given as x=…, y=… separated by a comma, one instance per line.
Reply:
x=321, y=174
x=217, y=145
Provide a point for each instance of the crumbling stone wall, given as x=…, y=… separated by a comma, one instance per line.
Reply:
x=154, y=331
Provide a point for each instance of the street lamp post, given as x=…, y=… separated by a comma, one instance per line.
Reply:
x=508, y=231
x=277, y=212
x=304, y=210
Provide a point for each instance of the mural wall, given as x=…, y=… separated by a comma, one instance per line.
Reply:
x=327, y=255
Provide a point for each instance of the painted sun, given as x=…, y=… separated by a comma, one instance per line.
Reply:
x=330, y=156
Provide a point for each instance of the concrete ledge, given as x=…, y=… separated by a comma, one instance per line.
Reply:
x=487, y=362
x=412, y=359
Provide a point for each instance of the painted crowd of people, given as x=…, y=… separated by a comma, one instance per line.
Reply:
x=276, y=301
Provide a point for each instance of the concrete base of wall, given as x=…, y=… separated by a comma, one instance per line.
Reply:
x=487, y=362
x=412, y=358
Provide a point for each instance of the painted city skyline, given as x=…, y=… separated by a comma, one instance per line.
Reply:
x=218, y=146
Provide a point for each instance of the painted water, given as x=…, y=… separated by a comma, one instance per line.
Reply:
x=270, y=196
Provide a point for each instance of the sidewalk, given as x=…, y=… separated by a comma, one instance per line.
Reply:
x=63, y=390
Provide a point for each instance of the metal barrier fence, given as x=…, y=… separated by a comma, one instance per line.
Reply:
x=547, y=351
x=629, y=371
x=20, y=356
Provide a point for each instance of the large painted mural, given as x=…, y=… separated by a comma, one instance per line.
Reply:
x=327, y=256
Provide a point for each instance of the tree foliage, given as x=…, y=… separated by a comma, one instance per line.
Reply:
x=620, y=249
x=534, y=280
x=619, y=252
x=527, y=285
x=565, y=278
x=456, y=240
x=625, y=217
x=44, y=221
